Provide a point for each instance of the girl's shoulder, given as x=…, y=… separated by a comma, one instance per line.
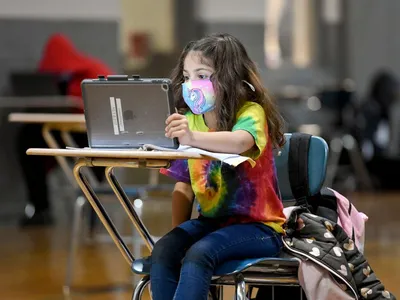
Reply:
x=250, y=106
x=252, y=110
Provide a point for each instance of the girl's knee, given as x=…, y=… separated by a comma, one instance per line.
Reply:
x=170, y=248
x=200, y=254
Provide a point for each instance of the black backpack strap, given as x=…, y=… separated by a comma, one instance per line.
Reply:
x=298, y=166
x=326, y=205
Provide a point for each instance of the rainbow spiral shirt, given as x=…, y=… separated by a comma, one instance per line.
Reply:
x=239, y=194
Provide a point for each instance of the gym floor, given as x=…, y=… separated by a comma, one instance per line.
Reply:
x=33, y=261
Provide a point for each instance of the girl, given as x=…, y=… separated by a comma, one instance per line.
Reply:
x=223, y=107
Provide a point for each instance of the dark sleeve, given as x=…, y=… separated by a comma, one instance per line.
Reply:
x=179, y=170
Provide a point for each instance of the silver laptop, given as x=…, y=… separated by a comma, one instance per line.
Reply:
x=127, y=113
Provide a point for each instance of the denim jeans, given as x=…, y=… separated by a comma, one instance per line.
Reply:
x=184, y=260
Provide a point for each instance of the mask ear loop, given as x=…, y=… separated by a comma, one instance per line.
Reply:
x=250, y=85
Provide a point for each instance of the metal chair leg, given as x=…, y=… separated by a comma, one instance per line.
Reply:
x=221, y=292
x=140, y=287
x=76, y=227
x=336, y=149
x=240, y=287
x=357, y=161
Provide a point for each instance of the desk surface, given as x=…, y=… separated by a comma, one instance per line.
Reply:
x=115, y=154
x=46, y=118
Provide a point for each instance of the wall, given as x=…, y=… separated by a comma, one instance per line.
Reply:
x=152, y=16
x=57, y=9
x=362, y=40
x=246, y=22
x=372, y=39
x=226, y=11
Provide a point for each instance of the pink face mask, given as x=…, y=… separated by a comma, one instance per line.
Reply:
x=199, y=95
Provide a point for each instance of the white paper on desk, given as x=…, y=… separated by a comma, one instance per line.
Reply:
x=230, y=159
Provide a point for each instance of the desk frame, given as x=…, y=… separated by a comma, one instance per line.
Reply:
x=110, y=165
x=111, y=159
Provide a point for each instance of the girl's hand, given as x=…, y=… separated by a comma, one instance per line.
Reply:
x=178, y=127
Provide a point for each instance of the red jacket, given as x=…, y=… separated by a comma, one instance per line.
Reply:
x=61, y=56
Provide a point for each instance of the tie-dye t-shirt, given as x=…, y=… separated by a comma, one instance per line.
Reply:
x=237, y=194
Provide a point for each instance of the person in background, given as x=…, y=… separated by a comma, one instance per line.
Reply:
x=372, y=129
x=60, y=57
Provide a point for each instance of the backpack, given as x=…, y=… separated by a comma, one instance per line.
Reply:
x=327, y=203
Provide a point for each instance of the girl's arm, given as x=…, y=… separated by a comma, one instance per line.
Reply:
x=236, y=142
x=182, y=203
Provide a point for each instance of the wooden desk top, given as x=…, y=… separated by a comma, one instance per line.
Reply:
x=46, y=118
x=115, y=154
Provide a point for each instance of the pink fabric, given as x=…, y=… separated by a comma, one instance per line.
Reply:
x=348, y=221
x=320, y=284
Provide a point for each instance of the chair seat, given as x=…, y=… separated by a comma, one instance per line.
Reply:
x=274, y=265
x=283, y=265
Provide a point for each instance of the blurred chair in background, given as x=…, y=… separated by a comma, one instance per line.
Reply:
x=347, y=170
x=32, y=83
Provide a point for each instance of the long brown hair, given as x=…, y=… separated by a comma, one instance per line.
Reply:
x=229, y=58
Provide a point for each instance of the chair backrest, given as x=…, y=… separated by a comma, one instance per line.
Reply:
x=317, y=163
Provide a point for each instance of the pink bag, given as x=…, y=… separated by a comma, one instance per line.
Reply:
x=351, y=220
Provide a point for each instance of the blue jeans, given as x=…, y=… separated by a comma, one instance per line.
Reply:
x=184, y=260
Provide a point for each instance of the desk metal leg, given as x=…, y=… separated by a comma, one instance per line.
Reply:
x=153, y=177
x=62, y=161
x=76, y=226
x=129, y=209
x=101, y=212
